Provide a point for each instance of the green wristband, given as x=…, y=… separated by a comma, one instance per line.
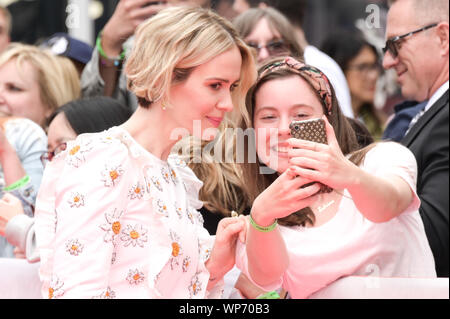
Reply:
x=116, y=59
x=269, y=295
x=261, y=228
x=21, y=182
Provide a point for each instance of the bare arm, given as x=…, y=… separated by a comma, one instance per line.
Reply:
x=378, y=198
x=126, y=18
x=10, y=162
x=268, y=257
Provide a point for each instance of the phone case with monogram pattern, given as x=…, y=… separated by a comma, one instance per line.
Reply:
x=311, y=130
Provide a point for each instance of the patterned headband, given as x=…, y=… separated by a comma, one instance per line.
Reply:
x=313, y=75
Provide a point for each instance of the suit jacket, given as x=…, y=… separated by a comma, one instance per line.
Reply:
x=428, y=139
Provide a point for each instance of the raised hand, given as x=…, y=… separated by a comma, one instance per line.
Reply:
x=129, y=14
x=320, y=162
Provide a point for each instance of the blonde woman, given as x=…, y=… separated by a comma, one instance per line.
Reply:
x=117, y=217
x=33, y=83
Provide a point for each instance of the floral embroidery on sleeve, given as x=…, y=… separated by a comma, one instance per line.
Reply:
x=76, y=199
x=76, y=153
x=186, y=263
x=177, y=250
x=135, y=277
x=74, y=247
x=195, y=286
x=179, y=211
x=107, y=294
x=111, y=175
x=136, y=235
x=162, y=208
x=190, y=216
x=112, y=226
x=55, y=290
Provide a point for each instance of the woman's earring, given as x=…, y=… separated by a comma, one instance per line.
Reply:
x=163, y=107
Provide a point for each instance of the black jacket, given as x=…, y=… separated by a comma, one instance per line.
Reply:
x=428, y=139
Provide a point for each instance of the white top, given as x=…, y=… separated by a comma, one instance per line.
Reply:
x=114, y=221
x=349, y=244
x=437, y=95
x=333, y=71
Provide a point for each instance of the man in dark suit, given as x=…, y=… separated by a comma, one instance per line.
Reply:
x=417, y=48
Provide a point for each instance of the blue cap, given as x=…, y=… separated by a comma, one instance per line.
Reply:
x=63, y=44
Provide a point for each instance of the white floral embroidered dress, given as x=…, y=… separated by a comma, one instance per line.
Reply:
x=114, y=221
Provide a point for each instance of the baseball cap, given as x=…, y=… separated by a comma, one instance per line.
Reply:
x=63, y=44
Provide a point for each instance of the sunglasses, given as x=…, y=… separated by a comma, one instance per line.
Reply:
x=275, y=47
x=48, y=156
x=392, y=44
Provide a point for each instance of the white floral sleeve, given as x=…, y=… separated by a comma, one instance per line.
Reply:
x=78, y=217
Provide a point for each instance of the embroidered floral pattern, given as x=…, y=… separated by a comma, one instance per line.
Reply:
x=135, y=236
x=161, y=208
x=111, y=175
x=135, y=277
x=112, y=226
x=55, y=290
x=165, y=175
x=177, y=251
x=107, y=294
x=136, y=191
x=190, y=215
x=76, y=199
x=186, y=263
x=179, y=211
x=74, y=247
x=195, y=286
x=157, y=183
x=173, y=175
x=76, y=153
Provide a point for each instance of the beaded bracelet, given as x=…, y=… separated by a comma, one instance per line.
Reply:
x=16, y=185
x=261, y=228
x=116, y=59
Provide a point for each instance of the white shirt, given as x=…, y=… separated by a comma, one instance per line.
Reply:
x=437, y=95
x=333, y=71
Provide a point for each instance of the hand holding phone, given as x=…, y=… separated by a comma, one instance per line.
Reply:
x=311, y=130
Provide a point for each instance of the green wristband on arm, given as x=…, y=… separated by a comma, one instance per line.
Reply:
x=16, y=185
x=261, y=228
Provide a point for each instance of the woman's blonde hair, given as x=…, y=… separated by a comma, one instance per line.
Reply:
x=172, y=43
x=57, y=79
x=167, y=48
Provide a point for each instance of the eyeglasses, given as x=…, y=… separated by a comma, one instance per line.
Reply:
x=48, y=156
x=366, y=68
x=276, y=47
x=392, y=44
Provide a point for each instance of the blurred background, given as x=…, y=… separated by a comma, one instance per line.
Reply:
x=37, y=19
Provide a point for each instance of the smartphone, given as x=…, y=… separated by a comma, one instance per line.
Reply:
x=311, y=130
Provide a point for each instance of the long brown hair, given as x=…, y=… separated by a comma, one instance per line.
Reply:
x=256, y=182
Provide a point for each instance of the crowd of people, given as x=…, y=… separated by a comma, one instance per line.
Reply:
x=162, y=162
